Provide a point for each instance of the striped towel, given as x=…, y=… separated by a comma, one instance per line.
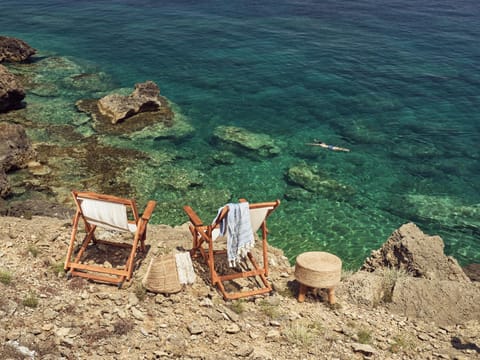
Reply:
x=238, y=226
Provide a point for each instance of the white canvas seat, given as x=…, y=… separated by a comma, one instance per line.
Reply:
x=110, y=213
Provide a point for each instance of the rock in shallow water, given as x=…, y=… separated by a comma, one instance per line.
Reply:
x=144, y=98
x=14, y=50
x=11, y=92
x=260, y=144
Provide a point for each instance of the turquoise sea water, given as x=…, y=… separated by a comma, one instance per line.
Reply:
x=397, y=82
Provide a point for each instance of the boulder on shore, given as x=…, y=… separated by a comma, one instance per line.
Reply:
x=11, y=92
x=14, y=50
x=412, y=276
x=15, y=147
x=15, y=152
x=420, y=255
x=145, y=98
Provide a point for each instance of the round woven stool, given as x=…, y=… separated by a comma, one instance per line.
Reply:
x=319, y=270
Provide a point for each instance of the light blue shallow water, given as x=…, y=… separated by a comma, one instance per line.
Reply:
x=398, y=83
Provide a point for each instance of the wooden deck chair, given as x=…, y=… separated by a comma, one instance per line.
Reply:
x=117, y=216
x=204, y=237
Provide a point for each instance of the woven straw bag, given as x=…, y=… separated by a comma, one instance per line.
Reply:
x=162, y=275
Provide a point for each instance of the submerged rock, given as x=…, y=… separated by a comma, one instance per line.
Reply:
x=14, y=50
x=36, y=207
x=311, y=179
x=145, y=97
x=444, y=210
x=11, y=92
x=260, y=144
x=472, y=271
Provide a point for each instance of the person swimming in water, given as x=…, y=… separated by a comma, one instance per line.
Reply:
x=326, y=146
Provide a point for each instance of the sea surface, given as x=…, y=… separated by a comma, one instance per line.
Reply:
x=396, y=82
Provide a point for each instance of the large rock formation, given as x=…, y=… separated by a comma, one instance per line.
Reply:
x=144, y=98
x=15, y=152
x=420, y=255
x=413, y=277
x=14, y=50
x=11, y=92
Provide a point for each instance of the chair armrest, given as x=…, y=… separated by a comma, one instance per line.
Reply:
x=149, y=210
x=194, y=219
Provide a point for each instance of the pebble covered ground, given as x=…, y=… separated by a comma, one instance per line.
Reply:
x=45, y=316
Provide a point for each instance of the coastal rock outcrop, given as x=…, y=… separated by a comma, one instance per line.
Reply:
x=15, y=147
x=14, y=50
x=412, y=276
x=144, y=98
x=420, y=255
x=15, y=152
x=11, y=92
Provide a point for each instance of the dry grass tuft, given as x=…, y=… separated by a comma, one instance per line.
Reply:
x=5, y=277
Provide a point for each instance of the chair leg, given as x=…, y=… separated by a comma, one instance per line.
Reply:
x=72, y=241
x=302, y=292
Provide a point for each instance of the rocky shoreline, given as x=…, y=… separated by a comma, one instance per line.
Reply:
x=46, y=316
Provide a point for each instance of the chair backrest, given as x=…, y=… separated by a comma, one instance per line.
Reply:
x=108, y=215
x=258, y=214
x=107, y=211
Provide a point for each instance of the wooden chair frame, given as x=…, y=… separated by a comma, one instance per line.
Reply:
x=203, y=245
x=75, y=267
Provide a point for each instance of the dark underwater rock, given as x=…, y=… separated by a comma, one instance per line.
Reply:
x=473, y=271
x=259, y=144
x=313, y=180
x=11, y=91
x=15, y=152
x=15, y=147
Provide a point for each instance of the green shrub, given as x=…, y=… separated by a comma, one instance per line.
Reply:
x=402, y=342
x=286, y=292
x=5, y=277
x=58, y=268
x=32, y=249
x=140, y=292
x=302, y=333
x=364, y=337
x=31, y=300
x=390, y=276
x=238, y=306
x=269, y=309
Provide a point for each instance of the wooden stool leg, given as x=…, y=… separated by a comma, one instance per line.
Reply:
x=301, y=293
x=331, y=296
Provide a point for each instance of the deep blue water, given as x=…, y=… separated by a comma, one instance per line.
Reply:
x=397, y=82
